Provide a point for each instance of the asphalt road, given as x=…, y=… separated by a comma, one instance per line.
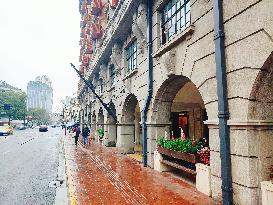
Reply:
x=28, y=164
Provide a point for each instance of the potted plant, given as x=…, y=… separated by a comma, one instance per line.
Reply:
x=184, y=149
x=204, y=155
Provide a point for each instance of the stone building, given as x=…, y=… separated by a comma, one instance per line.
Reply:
x=71, y=110
x=115, y=59
x=7, y=87
x=40, y=94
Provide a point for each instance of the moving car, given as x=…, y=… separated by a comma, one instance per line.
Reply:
x=43, y=128
x=6, y=130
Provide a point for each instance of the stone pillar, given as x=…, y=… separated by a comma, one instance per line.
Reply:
x=215, y=161
x=125, y=137
x=251, y=156
x=154, y=132
x=110, y=134
x=93, y=130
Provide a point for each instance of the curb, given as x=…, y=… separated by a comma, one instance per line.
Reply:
x=72, y=198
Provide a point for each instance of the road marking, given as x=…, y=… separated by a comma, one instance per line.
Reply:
x=24, y=142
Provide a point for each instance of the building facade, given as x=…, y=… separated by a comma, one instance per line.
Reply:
x=71, y=110
x=6, y=87
x=185, y=86
x=40, y=94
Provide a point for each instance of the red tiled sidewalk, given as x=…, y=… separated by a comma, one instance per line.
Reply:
x=105, y=177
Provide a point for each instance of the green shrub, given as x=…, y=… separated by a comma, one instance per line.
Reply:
x=187, y=145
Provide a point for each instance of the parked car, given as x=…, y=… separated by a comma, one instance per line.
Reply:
x=43, y=128
x=6, y=130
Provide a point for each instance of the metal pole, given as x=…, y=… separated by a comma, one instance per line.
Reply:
x=90, y=85
x=223, y=114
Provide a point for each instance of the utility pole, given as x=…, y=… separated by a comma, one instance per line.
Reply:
x=91, y=87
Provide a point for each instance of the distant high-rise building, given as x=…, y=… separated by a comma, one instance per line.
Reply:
x=40, y=93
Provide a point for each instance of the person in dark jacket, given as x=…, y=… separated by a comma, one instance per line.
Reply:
x=85, y=134
x=77, y=134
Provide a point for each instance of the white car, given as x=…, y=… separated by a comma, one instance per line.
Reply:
x=6, y=130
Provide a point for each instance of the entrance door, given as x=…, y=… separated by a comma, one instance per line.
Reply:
x=180, y=120
x=184, y=123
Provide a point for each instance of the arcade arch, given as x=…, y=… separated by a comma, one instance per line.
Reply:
x=129, y=129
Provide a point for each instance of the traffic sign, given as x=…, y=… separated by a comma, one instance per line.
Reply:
x=7, y=106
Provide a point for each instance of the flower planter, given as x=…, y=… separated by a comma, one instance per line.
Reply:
x=267, y=192
x=203, y=178
x=192, y=158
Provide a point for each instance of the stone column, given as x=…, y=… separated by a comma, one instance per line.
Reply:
x=251, y=156
x=125, y=137
x=154, y=132
x=215, y=161
x=110, y=134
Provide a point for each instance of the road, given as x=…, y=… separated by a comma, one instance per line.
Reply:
x=28, y=164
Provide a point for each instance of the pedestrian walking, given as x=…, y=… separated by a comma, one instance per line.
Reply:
x=77, y=134
x=85, y=133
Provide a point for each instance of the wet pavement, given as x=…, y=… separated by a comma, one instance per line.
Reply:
x=29, y=163
x=100, y=175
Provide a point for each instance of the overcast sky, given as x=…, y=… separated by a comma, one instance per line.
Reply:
x=39, y=37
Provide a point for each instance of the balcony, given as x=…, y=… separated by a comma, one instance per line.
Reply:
x=96, y=7
x=113, y=4
x=96, y=31
x=89, y=47
x=121, y=16
x=86, y=60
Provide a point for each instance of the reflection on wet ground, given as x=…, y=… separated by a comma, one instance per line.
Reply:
x=103, y=176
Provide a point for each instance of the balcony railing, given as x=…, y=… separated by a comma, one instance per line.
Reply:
x=112, y=25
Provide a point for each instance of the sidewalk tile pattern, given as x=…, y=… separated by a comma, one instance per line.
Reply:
x=103, y=176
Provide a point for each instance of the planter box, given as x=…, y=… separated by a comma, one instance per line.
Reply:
x=267, y=192
x=192, y=158
x=203, y=182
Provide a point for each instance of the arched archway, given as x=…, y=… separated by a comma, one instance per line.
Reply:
x=259, y=131
x=129, y=129
x=178, y=106
x=261, y=105
x=110, y=137
x=100, y=123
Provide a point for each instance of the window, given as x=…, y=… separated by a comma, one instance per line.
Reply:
x=94, y=45
x=112, y=73
x=175, y=18
x=132, y=56
x=100, y=87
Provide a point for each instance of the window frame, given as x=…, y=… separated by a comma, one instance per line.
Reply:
x=100, y=86
x=131, y=56
x=112, y=73
x=172, y=17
